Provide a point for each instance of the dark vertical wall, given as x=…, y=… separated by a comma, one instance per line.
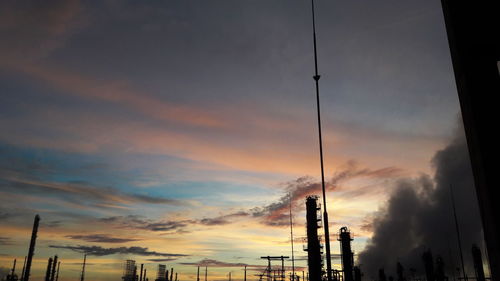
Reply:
x=313, y=246
x=473, y=35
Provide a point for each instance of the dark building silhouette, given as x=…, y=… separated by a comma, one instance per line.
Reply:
x=346, y=252
x=314, y=259
x=478, y=263
x=129, y=270
x=160, y=275
x=400, y=272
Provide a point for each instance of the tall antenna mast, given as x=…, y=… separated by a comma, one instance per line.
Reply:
x=291, y=239
x=325, y=213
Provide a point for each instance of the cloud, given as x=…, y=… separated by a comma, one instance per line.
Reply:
x=101, y=238
x=139, y=222
x=222, y=220
x=35, y=28
x=5, y=241
x=216, y=263
x=100, y=251
x=162, y=260
x=102, y=197
x=418, y=216
x=277, y=213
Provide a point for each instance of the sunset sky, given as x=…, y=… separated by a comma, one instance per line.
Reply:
x=175, y=132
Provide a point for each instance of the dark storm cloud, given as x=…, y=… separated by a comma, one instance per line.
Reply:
x=418, y=216
x=277, y=213
x=100, y=251
x=101, y=238
x=222, y=220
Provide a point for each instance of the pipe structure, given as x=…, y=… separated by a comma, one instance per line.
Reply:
x=31, y=251
x=57, y=274
x=54, y=264
x=49, y=267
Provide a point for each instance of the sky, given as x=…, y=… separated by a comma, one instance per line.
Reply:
x=178, y=132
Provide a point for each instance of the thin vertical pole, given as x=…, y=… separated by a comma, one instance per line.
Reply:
x=206, y=270
x=198, y=274
x=245, y=278
x=291, y=238
x=83, y=267
x=325, y=213
x=458, y=233
x=24, y=268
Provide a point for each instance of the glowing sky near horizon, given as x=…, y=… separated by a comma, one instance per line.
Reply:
x=181, y=126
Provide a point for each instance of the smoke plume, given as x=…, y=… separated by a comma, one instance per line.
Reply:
x=419, y=216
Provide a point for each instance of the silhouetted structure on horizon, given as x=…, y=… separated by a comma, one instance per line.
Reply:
x=346, y=252
x=314, y=261
x=31, y=251
x=428, y=265
x=478, y=263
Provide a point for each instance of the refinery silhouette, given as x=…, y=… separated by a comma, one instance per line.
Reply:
x=281, y=267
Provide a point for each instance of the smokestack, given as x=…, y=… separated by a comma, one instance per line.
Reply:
x=478, y=263
x=142, y=268
x=314, y=260
x=171, y=274
x=206, y=271
x=176, y=276
x=429, y=265
x=145, y=274
x=166, y=275
x=198, y=274
x=53, y=274
x=31, y=251
x=347, y=256
x=49, y=267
